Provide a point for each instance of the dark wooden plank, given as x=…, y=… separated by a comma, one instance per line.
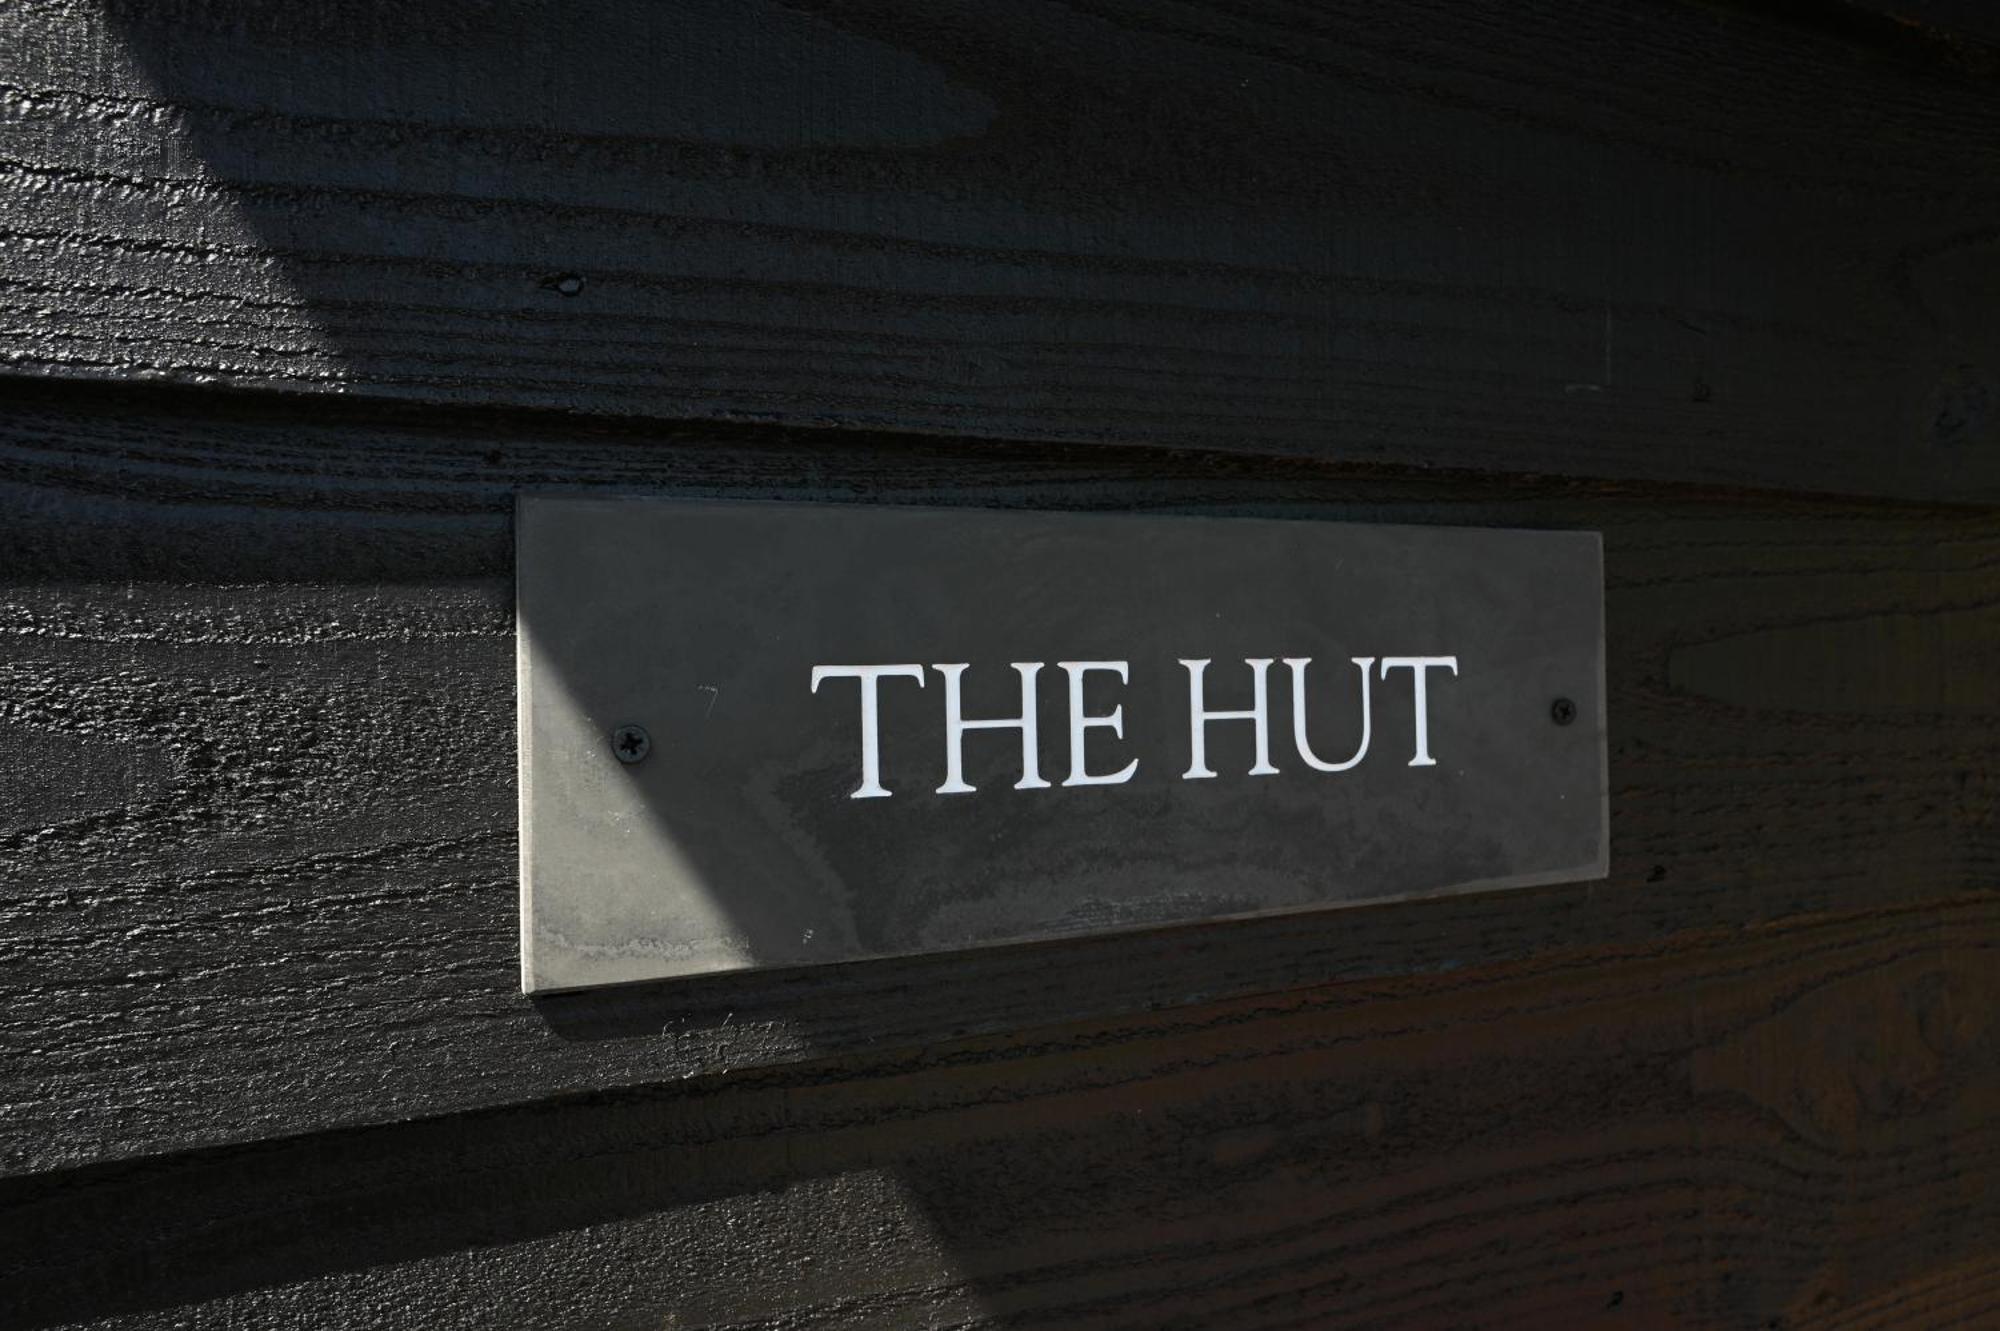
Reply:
x=261, y=668
x=1962, y=32
x=1662, y=240
x=1789, y=1125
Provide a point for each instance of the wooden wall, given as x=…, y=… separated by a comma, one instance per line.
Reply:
x=295, y=296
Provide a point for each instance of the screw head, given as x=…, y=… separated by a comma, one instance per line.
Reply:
x=631, y=744
x=1562, y=711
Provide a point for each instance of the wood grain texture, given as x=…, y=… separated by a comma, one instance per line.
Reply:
x=1778, y=1126
x=262, y=667
x=1672, y=241
x=1716, y=280
x=1962, y=31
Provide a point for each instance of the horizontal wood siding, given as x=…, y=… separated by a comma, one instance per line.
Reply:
x=1656, y=240
x=261, y=917
x=295, y=298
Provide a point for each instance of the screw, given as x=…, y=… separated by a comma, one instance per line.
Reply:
x=631, y=743
x=1562, y=711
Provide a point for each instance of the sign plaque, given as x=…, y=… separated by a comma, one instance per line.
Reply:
x=782, y=734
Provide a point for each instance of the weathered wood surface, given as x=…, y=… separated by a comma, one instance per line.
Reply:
x=261, y=666
x=1682, y=273
x=1965, y=32
x=1779, y=1126
x=1748, y=245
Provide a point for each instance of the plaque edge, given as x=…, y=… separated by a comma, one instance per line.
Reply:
x=545, y=497
x=529, y=501
x=523, y=755
x=1589, y=871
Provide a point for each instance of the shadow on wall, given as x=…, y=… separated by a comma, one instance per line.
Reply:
x=522, y=205
x=677, y=211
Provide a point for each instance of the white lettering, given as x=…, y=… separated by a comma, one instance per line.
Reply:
x=1199, y=717
x=1298, y=665
x=955, y=726
x=1417, y=665
x=1114, y=721
x=1082, y=722
x=871, y=731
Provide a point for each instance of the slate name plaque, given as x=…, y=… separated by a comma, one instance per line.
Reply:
x=774, y=735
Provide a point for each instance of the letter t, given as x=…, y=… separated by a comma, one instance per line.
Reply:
x=1417, y=665
x=871, y=737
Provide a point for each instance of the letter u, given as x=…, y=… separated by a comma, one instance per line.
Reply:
x=1298, y=665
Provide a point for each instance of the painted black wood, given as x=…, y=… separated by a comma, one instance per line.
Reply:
x=1786, y=1125
x=265, y=664
x=1659, y=240
x=1714, y=280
